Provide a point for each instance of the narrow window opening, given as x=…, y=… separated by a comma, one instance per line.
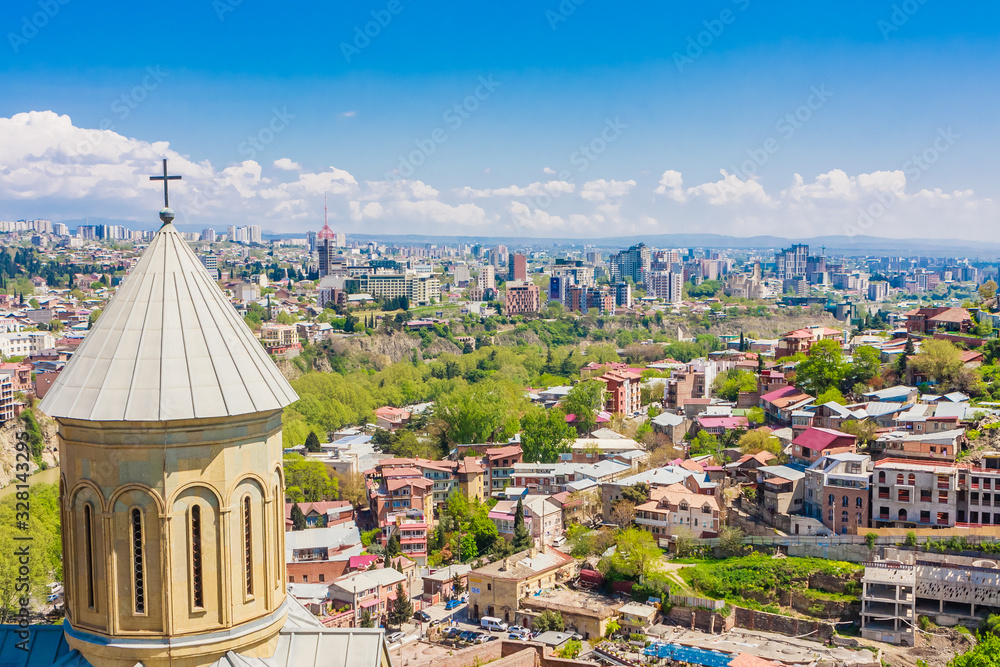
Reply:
x=196, y=578
x=247, y=545
x=138, y=582
x=88, y=536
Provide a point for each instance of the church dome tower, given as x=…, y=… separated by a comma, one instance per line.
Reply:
x=172, y=499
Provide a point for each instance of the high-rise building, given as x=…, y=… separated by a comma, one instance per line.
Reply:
x=522, y=297
x=231, y=232
x=487, y=277
x=60, y=229
x=666, y=285
x=208, y=235
x=793, y=262
x=633, y=264
x=255, y=236
x=517, y=267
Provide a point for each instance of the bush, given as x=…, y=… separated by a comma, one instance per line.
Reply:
x=911, y=539
x=370, y=536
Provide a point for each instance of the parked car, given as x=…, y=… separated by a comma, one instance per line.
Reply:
x=481, y=638
x=422, y=616
x=451, y=604
x=433, y=622
x=467, y=635
x=517, y=629
x=523, y=636
x=395, y=637
x=451, y=632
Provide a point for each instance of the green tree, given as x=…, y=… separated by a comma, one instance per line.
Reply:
x=864, y=430
x=298, y=518
x=400, y=609
x=822, y=369
x=988, y=290
x=759, y=440
x=548, y=620
x=312, y=443
x=483, y=530
x=488, y=411
x=584, y=401
x=45, y=564
x=704, y=443
x=522, y=538
x=984, y=327
x=986, y=653
x=36, y=441
x=940, y=361
x=728, y=385
x=545, y=435
x=366, y=618
x=467, y=549
x=731, y=540
x=903, y=359
x=311, y=477
x=392, y=548
x=570, y=649
x=457, y=587
x=866, y=366
x=636, y=493
x=830, y=395
x=637, y=553
x=755, y=416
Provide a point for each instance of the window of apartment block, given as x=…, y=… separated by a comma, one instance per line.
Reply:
x=925, y=495
x=942, y=496
x=903, y=496
x=925, y=516
x=942, y=518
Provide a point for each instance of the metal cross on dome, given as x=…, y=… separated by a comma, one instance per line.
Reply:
x=165, y=178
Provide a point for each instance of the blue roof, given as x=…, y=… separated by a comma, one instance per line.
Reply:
x=46, y=646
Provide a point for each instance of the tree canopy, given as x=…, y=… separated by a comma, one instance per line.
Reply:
x=545, y=435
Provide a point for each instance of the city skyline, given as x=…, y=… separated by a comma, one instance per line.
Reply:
x=725, y=118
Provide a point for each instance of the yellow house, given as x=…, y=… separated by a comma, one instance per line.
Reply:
x=496, y=589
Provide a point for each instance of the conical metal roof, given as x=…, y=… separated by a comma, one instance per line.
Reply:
x=168, y=346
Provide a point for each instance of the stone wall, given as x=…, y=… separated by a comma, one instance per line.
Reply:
x=701, y=619
x=782, y=625
x=852, y=553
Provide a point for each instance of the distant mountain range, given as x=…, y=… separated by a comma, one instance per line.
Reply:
x=840, y=245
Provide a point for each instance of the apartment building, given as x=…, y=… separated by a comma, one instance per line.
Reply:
x=499, y=463
x=837, y=491
x=521, y=298
x=914, y=494
x=622, y=391
x=673, y=509
x=542, y=517
x=369, y=590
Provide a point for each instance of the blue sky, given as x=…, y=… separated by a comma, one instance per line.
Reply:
x=340, y=114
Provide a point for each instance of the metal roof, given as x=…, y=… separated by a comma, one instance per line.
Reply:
x=168, y=346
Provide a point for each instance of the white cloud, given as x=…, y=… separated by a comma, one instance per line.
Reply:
x=286, y=164
x=603, y=190
x=548, y=170
x=51, y=168
x=349, y=114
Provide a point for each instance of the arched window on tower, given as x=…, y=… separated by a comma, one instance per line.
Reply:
x=197, y=588
x=247, y=545
x=88, y=548
x=138, y=578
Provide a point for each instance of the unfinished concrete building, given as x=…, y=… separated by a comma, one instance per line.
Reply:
x=908, y=584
